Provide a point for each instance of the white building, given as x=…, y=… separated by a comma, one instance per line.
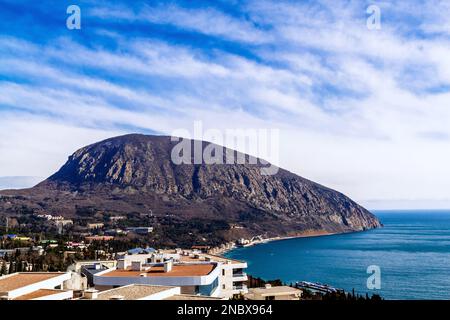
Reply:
x=231, y=273
x=274, y=293
x=192, y=278
x=35, y=286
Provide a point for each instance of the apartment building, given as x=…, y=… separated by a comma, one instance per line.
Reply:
x=36, y=286
x=231, y=279
x=200, y=278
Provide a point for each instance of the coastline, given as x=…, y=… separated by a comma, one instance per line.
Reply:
x=306, y=234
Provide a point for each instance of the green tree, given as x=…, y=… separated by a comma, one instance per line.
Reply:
x=11, y=267
x=3, y=269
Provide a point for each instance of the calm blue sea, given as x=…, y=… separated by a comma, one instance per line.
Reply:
x=412, y=250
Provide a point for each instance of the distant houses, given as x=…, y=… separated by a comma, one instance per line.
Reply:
x=140, y=230
x=15, y=237
x=37, y=249
x=98, y=238
x=95, y=226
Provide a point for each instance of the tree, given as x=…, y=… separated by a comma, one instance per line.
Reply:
x=3, y=269
x=11, y=267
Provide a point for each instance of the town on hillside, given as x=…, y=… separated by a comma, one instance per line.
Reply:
x=105, y=260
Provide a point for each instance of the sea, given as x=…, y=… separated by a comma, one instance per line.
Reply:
x=411, y=255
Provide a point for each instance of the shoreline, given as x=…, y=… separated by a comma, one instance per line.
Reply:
x=310, y=234
x=307, y=234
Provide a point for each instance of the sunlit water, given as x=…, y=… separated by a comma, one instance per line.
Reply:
x=412, y=250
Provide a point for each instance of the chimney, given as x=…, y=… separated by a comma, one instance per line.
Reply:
x=121, y=264
x=136, y=265
x=91, y=294
x=117, y=297
x=168, y=265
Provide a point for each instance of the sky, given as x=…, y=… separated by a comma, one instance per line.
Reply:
x=362, y=110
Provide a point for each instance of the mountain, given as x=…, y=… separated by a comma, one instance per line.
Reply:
x=134, y=174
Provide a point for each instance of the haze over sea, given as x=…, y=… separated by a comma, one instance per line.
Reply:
x=412, y=250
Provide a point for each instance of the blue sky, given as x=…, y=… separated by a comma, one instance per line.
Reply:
x=364, y=111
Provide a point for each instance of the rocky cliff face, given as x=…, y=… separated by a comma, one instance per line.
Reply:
x=135, y=173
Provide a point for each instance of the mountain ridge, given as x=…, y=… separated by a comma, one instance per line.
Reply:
x=134, y=173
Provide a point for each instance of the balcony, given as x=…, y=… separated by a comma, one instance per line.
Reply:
x=240, y=288
x=240, y=276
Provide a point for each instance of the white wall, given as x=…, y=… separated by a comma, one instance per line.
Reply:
x=63, y=295
x=228, y=279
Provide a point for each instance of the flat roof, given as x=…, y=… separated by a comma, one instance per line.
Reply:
x=178, y=270
x=190, y=297
x=19, y=280
x=276, y=290
x=213, y=257
x=39, y=294
x=132, y=292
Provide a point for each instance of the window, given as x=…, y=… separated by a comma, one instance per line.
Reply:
x=223, y=272
x=206, y=290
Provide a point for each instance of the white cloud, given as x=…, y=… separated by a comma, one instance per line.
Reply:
x=208, y=21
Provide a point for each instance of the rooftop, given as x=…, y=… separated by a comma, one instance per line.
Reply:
x=178, y=270
x=18, y=280
x=206, y=255
x=38, y=294
x=276, y=290
x=132, y=292
x=141, y=251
